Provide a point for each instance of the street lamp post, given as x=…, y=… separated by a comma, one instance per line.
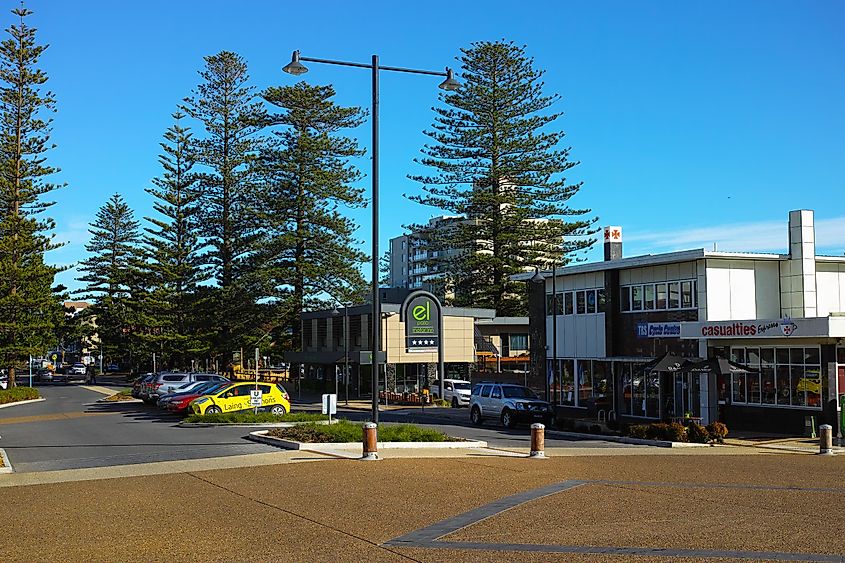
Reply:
x=345, y=352
x=296, y=68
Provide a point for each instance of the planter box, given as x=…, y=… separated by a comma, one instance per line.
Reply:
x=328, y=447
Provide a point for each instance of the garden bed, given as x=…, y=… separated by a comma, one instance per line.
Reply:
x=120, y=396
x=351, y=432
x=256, y=418
x=18, y=394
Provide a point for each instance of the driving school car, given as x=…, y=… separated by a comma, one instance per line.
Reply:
x=236, y=397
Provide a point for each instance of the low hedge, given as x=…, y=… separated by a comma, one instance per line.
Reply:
x=675, y=432
x=15, y=394
x=345, y=431
x=122, y=395
x=251, y=417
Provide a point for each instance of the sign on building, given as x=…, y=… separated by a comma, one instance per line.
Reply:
x=658, y=330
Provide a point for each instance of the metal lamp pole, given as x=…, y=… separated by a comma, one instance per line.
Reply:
x=296, y=68
x=346, y=353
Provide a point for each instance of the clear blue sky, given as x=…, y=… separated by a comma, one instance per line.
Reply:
x=694, y=122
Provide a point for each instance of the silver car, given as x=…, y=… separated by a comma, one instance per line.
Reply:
x=165, y=383
x=509, y=403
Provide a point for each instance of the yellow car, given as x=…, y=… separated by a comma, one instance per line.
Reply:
x=236, y=397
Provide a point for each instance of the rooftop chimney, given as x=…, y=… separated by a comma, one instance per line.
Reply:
x=612, y=243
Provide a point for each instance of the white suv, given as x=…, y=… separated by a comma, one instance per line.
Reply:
x=456, y=391
x=509, y=403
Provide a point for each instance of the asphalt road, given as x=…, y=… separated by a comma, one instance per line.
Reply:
x=70, y=430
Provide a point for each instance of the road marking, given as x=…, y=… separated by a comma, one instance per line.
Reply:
x=430, y=536
x=54, y=416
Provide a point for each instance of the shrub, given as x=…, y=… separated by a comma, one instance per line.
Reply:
x=245, y=417
x=697, y=434
x=638, y=430
x=346, y=431
x=441, y=403
x=15, y=394
x=717, y=431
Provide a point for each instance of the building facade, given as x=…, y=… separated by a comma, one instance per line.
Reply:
x=780, y=318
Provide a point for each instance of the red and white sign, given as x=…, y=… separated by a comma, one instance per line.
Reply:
x=613, y=234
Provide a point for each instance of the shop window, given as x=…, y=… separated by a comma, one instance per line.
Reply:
x=738, y=388
x=674, y=295
x=648, y=300
x=567, y=383
x=601, y=300
x=653, y=394
x=840, y=355
x=799, y=397
x=638, y=406
x=796, y=355
x=738, y=355
x=783, y=388
x=767, y=357
x=602, y=384
x=811, y=356
x=661, y=296
x=627, y=386
x=568, y=309
x=637, y=298
x=782, y=355
x=580, y=303
x=591, y=301
x=585, y=382
x=767, y=384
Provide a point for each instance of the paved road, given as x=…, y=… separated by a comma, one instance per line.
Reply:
x=70, y=430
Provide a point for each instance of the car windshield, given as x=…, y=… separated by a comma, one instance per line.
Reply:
x=513, y=392
x=462, y=386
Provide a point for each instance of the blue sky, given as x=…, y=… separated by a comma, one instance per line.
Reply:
x=694, y=123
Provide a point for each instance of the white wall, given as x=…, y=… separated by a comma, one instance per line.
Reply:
x=830, y=288
x=742, y=289
x=663, y=272
x=578, y=336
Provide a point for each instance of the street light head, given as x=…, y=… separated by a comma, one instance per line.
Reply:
x=295, y=67
x=450, y=84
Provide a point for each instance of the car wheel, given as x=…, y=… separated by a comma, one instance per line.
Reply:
x=454, y=402
x=278, y=410
x=475, y=416
x=507, y=419
x=213, y=409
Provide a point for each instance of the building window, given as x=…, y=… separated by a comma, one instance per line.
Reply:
x=567, y=383
x=787, y=377
x=663, y=296
x=567, y=306
x=591, y=301
x=580, y=303
x=585, y=382
x=601, y=299
x=637, y=297
x=518, y=342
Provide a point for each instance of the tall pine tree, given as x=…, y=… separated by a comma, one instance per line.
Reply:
x=231, y=116
x=112, y=278
x=308, y=180
x=28, y=307
x=499, y=165
x=174, y=265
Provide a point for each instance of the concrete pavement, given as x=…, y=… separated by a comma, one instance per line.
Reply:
x=687, y=507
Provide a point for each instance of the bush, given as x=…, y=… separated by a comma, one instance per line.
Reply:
x=658, y=431
x=697, y=433
x=346, y=431
x=15, y=394
x=245, y=417
x=717, y=431
x=441, y=403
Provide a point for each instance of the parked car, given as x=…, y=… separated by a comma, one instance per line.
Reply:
x=193, y=387
x=181, y=402
x=112, y=368
x=456, y=391
x=235, y=397
x=4, y=379
x=77, y=372
x=509, y=403
x=138, y=384
x=165, y=383
x=44, y=375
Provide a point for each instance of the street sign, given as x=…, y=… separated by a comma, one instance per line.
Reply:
x=329, y=404
x=422, y=324
x=365, y=357
x=255, y=397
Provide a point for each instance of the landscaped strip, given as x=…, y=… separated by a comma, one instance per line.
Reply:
x=346, y=432
x=255, y=418
x=122, y=395
x=16, y=394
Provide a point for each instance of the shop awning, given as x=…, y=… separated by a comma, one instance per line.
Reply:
x=719, y=366
x=667, y=362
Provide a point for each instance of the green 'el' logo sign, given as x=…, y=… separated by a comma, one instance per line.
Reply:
x=422, y=312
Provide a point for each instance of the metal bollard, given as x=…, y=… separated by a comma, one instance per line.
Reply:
x=825, y=439
x=370, y=442
x=538, y=441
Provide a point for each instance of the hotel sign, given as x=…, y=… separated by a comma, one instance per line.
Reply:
x=422, y=324
x=770, y=328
